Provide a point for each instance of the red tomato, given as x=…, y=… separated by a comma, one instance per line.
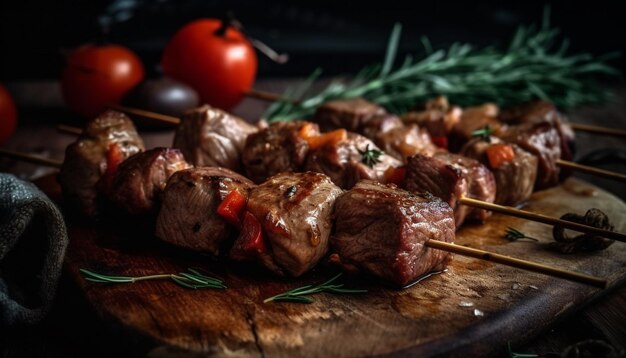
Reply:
x=221, y=68
x=95, y=76
x=8, y=115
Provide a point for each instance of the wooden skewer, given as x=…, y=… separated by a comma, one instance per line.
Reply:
x=542, y=218
x=591, y=170
x=31, y=158
x=268, y=96
x=147, y=114
x=598, y=130
x=69, y=129
x=519, y=263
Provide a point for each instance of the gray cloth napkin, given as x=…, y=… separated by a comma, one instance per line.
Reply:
x=33, y=240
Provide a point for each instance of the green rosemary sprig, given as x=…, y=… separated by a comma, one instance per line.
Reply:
x=484, y=133
x=535, y=65
x=188, y=279
x=299, y=294
x=514, y=235
x=369, y=156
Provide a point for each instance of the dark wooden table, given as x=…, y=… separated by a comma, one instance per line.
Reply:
x=73, y=329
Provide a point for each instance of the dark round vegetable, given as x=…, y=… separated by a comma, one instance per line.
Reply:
x=163, y=95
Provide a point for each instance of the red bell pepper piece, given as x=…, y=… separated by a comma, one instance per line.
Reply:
x=232, y=207
x=395, y=176
x=114, y=157
x=440, y=141
x=500, y=154
x=250, y=244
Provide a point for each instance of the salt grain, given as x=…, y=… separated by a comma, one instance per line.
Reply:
x=478, y=313
x=534, y=287
x=516, y=286
x=466, y=304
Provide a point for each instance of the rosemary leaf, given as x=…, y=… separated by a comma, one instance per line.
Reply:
x=189, y=279
x=534, y=65
x=369, y=156
x=514, y=235
x=299, y=294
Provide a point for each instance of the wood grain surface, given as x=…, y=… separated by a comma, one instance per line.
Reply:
x=428, y=318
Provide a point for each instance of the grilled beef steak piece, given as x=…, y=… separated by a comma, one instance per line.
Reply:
x=514, y=179
x=382, y=229
x=472, y=119
x=188, y=216
x=86, y=159
x=208, y=136
x=449, y=177
x=345, y=161
x=406, y=141
x=546, y=112
x=294, y=211
x=276, y=149
x=437, y=116
x=352, y=114
x=140, y=180
x=542, y=140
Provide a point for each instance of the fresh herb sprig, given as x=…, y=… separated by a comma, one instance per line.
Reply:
x=535, y=65
x=483, y=133
x=369, y=156
x=520, y=355
x=299, y=294
x=514, y=235
x=188, y=279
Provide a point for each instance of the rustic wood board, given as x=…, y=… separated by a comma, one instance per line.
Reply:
x=425, y=319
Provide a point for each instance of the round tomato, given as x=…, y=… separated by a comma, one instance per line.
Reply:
x=220, y=65
x=95, y=76
x=8, y=115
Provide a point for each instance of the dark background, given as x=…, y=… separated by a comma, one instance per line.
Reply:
x=339, y=37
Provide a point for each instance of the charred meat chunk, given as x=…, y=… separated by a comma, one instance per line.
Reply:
x=449, y=177
x=350, y=160
x=276, y=149
x=139, y=181
x=354, y=115
x=515, y=179
x=86, y=159
x=294, y=211
x=188, y=216
x=208, y=136
x=473, y=119
x=382, y=229
x=406, y=141
x=542, y=140
x=437, y=116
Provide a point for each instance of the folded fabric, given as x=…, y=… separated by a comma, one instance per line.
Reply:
x=33, y=239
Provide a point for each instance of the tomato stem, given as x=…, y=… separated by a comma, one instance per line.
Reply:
x=227, y=22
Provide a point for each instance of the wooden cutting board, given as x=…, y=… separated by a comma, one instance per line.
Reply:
x=473, y=309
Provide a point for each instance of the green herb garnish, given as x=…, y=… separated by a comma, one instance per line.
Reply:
x=514, y=235
x=299, y=294
x=369, y=156
x=484, y=133
x=535, y=65
x=188, y=279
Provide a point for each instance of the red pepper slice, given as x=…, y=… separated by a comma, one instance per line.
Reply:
x=440, y=141
x=114, y=157
x=500, y=154
x=250, y=243
x=232, y=207
x=395, y=176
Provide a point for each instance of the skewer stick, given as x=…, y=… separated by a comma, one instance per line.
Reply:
x=31, y=158
x=269, y=96
x=507, y=210
x=174, y=121
x=69, y=129
x=598, y=130
x=519, y=263
x=591, y=170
